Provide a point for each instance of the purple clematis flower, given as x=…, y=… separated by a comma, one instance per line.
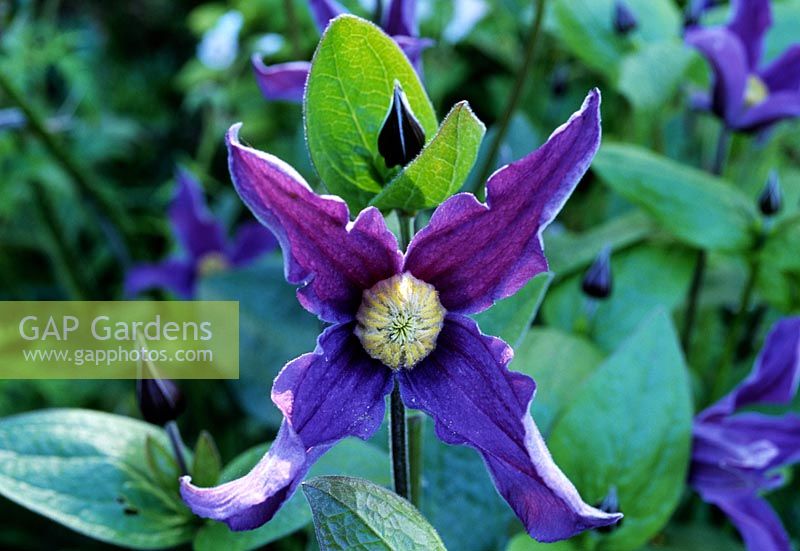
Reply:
x=746, y=96
x=203, y=239
x=735, y=454
x=287, y=81
x=403, y=319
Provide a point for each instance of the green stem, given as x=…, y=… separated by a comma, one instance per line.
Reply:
x=513, y=100
x=732, y=340
x=723, y=141
x=175, y=439
x=294, y=28
x=112, y=220
x=416, y=424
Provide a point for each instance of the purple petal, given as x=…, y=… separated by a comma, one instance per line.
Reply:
x=335, y=392
x=285, y=81
x=194, y=226
x=325, y=10
x=251, y=241
x=777, y=107
x=465, y=385
x=728, y=60
x=177, y=276
x=782, y=432
x=775, y=375
x=334, y=260
x=783, y=74
x=750, y=21
x=758, y=524
x=413, y=48
x=475, y=253
x=400, y=18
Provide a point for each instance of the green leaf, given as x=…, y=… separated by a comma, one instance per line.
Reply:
x=629, y=428
x=559, y=362
x=523, y=542
x=353, y=513
x=649, y=78
x=441, y=168
x=268, y=312
x=694, y=537
x=511, y=317
x=87, y=470
x=347, y=97
x=207, y=465
x=350, y=457
x=644, y=277
x=779, y=266
x=696, y=207
x=161, y=463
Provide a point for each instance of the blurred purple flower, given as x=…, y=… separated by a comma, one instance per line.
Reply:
x=736, y=454
x=286, y=81
x=203, y=240
x=746, y=96
x=403, y=319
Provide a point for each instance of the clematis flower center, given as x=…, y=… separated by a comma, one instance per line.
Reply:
x=212, y=263
x=755, y=92
x=399, y=320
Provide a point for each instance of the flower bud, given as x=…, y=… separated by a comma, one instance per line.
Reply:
x=560, y=81
x=160, y=400
x=401, y=137
x=597, y=282
x=769, y=202
x=624, y=19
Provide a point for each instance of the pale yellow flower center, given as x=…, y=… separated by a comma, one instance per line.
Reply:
x=212, y=263
x=755, y=92
x=399, y=320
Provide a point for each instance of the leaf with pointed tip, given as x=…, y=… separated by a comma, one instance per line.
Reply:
x=207, y=464
x=353, y=513
x=441, y=168
x=349, y=91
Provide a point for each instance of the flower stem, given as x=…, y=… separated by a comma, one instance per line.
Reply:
x=175, y=439
x=513, y=100
x=294, y=28
x=416, y=424
x=112, y=220
x=398, y=448
x=716, y=168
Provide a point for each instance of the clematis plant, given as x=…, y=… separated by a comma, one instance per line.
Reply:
x=736, y=454
x=286, y=81
x=747, y=96
x=203, y=239
x=401, y=319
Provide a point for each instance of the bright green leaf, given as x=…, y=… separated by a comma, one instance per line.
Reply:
x=511, y=317
x=347, y=97
x=350, y=457
x=559, y=362
x=353, y=513
x=629, y=428
x=207, y=464
x=523, y=542
x=87, y=470
x=650, y=77
x=696, y=207
x=441, y=168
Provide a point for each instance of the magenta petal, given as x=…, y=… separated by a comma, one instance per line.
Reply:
x=325, y=10
x=475, y=253
x=777, y=106
x=728, y=59
x=775, y=375
x=755, y=520
x=334, y=392
x=400, y=18
x=333, y=259
x=177, y=276
x=251, y=241
x=285, y=81
x=783, y=74
x=466, y=386
x=749, y=21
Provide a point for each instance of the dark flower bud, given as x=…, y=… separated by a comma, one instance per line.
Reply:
x=610, y=504
x=597, y=282
x=560, y=81
x=624, y=19
x=769, y=202
x=160, y=400
x=401, y=137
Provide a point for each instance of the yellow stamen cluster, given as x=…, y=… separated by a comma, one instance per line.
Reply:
x=399, y=320
x=212, y=263
x=755, y=92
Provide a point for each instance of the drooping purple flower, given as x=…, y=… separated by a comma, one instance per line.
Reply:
x=746, y=95
x=205, y=247
x=736, y=454
x=286, y=81
x=403, y=319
